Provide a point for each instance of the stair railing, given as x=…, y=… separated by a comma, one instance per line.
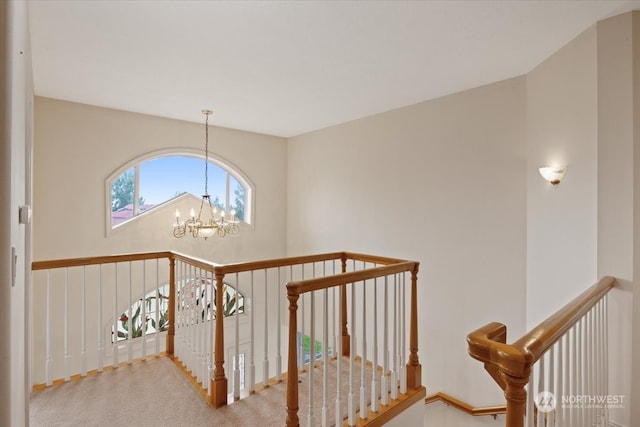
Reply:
x=373, y=296
x=560, y=360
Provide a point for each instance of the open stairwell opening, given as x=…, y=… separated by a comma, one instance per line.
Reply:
x=335, y=334
x=328, y=339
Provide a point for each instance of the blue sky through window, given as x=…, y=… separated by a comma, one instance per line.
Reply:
x=162, y=178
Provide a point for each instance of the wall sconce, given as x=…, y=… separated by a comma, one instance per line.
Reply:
x=553, y=174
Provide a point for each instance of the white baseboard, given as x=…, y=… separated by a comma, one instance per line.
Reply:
x=613, y=424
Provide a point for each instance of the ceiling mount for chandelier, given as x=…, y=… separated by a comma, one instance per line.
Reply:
x=210, y=221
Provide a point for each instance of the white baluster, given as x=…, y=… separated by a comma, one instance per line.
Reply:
x=334, y=336
x=311, y=420
x=395, y=358
x=49, y=362
x=265, y=361
x=590, y=365
x=278, y=331
x=158, y=305
x=252, y=372
x=144, y=310
x=236, y=359
x=352, y=395
x=559, y=382
x=325, y=358
x=605, y=347
x=130, y=320
x=403, y=335
x=363, y=361
x=67, y=356
x=301, y=352
x=574, y=371
x=338, y=405
x=178, y=292
x=550, y=417
x=580, y=373
x=385, y=344
x=99, y=323
x=199, y=323
x=541, y=419
x=191, y=292
x=83, y=328
x=212, y=328
x=374, y=370
x=530, y=397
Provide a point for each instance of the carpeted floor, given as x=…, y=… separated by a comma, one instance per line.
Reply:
x=151, y=393
x=156, y=393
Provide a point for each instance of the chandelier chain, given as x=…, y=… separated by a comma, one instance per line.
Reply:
x=206, y=155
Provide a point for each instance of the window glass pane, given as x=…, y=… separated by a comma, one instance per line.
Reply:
x=164, y=178
x=237, y=197
x=122, y=191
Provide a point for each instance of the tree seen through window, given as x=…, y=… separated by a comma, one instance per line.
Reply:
x=163, y=178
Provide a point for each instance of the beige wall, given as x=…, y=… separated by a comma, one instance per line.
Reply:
x=78, y=146
x=615, y=201
x=580, y=113
x=441, y=182
x=635, y=372
x=562, y=219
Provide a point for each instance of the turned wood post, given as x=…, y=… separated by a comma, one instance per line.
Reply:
x=219, y=380
x=292, y=363
x=346, y=339
x=171, y=333
x=414, y=369
x=516, y=396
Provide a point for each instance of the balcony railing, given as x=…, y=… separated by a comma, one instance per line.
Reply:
x=351, y=315
x=564, y=355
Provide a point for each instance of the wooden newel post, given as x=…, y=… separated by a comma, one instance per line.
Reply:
x=171, y=333
x=346, y=339
x=292, y=363
x=414, y=369
x=219, y=380
x=516, y=396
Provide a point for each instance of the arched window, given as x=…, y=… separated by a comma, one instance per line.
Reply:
x=152, y=180
x=151, y=314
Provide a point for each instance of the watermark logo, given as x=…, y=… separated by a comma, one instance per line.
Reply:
x=593, y=401
x=545, y=401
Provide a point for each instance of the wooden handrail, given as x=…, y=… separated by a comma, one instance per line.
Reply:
x=78, y=262
x=510, y=365
x=302, y=286
x=276, y=262
x=465, y=407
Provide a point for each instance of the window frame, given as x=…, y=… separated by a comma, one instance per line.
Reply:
x=228, y=167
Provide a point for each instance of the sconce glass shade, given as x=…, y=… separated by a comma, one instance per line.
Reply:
x=553, y=174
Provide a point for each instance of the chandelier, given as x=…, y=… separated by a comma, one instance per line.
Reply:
x=210, y=221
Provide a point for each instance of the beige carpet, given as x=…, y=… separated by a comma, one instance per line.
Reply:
x=156, y=393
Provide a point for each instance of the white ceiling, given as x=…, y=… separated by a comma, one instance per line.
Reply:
x=290, y=67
